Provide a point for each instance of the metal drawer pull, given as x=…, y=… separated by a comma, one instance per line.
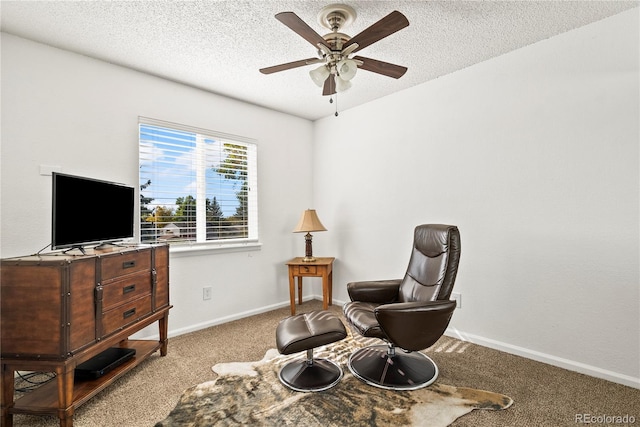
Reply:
x=128, y=289
x=128, y=313
x=128, y=264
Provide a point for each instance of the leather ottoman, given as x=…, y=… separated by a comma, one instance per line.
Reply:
x=304, y=332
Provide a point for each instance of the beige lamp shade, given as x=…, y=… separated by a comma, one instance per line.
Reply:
x=309, y=221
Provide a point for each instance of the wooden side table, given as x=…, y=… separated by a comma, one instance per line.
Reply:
x=321, y=267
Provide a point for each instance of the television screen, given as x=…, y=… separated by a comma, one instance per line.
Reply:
x=89, y=211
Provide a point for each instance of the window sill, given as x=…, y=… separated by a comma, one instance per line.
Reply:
x=197, y=249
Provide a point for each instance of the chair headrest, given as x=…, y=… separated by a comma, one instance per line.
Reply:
x=432, y=239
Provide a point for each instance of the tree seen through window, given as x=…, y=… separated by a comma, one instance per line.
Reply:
x=195, y=187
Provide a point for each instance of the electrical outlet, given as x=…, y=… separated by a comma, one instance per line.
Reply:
x=455, y=296
x=206, y=293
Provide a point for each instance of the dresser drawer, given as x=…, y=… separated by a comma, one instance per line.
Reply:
x=124, y=263
x=310, y=270
x=125, y=289
x=125, y=314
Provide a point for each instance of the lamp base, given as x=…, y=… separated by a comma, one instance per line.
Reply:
x=308, y=252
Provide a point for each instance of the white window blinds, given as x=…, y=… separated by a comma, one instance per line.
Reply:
x=196, y=186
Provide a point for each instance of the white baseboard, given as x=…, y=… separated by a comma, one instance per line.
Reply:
x=225, y=319
x=560, y=362
x=549, y=359
x=218, y=321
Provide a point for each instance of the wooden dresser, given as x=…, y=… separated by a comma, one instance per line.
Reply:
x=60, y=310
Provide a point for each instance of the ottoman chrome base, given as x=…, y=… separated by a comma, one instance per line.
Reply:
x=310, y=374
x=304, y=332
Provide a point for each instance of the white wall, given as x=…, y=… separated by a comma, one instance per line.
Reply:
x=534, y=155
x=63, y=109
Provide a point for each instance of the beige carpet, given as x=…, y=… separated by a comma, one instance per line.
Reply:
x=250, y=393
x=544, y=395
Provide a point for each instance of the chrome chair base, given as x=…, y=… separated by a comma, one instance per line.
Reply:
x=380, y=366
x=310, y=374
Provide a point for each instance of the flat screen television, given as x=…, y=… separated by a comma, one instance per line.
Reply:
x=88, y=211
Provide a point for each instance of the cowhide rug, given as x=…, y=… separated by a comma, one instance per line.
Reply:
x=250, y=393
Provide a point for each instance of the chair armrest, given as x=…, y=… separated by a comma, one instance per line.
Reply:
x=415, y=326
x=377, y=291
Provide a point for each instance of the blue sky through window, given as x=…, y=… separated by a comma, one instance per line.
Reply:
x=168, y=158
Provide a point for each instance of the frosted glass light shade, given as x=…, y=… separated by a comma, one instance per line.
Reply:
x=347, y=69
x=342, y=84
x=319, y=75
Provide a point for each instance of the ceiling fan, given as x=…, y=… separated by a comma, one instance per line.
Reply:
x=335, y=48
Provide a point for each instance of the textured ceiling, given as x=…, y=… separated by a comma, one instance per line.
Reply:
x=219, y=46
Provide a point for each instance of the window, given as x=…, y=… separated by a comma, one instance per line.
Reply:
x=196, y=186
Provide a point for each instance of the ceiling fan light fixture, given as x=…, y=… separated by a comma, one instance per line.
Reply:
x=334, y=48
x=342, y=84
x=319, y=75
x=347, y=69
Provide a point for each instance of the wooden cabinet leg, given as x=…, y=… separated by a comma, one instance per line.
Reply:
x=7, y=395
x=163, y=325
x=67, y=421
x=65, y=394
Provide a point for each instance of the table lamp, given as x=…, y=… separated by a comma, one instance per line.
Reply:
x=309, y=222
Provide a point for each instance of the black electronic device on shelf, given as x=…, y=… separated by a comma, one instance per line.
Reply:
x=104, y=362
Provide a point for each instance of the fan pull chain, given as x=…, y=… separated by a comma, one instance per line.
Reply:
x=331, y=102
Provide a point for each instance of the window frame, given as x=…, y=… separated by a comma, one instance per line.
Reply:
x=251, y=242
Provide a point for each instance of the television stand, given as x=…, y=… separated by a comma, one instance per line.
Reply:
x=79, y=247
x=79, y=306
x=110, y=245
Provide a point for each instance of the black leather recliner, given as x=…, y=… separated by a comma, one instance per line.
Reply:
x=410, y=313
